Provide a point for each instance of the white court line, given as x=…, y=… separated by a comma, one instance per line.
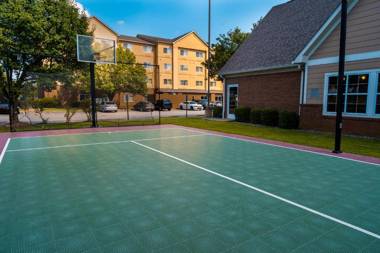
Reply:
x=101, y=132
x=4, y=149
x=265, y=192
x=281, y=146
x=103, y=143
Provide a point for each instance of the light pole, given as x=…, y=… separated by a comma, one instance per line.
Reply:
x=209, y=54
x=341, y=80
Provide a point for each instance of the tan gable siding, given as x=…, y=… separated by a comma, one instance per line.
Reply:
x=100, y=30
x=316, y=76
x=363, y=31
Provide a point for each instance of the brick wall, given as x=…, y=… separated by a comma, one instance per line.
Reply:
x=312, y=118
x=276, y=91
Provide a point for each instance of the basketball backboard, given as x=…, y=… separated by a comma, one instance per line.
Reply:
x=96, y=50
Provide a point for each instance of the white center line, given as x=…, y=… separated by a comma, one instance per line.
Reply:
x=4, y=150
x=265, y=192
x=103, y=143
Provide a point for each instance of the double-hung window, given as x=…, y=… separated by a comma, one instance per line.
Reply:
x=361, y=94
x=148, y=49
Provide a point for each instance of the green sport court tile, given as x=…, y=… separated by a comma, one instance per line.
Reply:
x=113, y=195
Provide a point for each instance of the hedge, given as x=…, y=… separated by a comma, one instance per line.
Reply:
x=269, y=117
x=288, y=120
x=217, y=112
x=243, y=114
x=256, y=116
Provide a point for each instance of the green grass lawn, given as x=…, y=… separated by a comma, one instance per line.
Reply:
x=351, y=144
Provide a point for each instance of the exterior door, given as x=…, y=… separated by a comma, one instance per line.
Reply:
x=232, y=100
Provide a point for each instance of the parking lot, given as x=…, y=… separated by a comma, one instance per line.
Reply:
x=58, y=116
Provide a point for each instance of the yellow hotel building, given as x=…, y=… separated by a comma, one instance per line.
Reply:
x=180, y=71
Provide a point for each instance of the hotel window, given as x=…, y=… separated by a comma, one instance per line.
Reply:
x=148, y=49
x=167, y=66
x=199, y=54
x=199, y=69
x=148, y=65
x=183, y=52
x=378, y=95
x=167, y=50
x=212, y=84
x=127, y=45
x=199, y=83
x=361, y=94
x=167, y=81
x=184, y=82
x=150, y=81
x=183, y=67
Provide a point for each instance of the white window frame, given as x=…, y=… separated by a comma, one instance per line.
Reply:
x=199, y=69
x=167, y=49
x=371, y=95
x=184, y=51
x=167, y=82
x=212, y=83
x=198, y=81
x=187, y=82
x=148, y=65
x=148, y=49
x=183, y=67
x=199, y=54
x=167, y=66
x=128, y=45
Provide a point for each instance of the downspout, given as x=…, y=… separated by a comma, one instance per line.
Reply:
x=224, y=97
x=302, y=93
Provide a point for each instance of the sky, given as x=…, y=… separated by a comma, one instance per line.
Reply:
x=170, y=18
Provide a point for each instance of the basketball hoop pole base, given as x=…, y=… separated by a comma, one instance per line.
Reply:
x=93, y=96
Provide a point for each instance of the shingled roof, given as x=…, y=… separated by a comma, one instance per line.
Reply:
x=282, y=34
x=134, y=39
x=155, y=39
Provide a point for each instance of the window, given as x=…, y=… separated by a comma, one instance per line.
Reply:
x=378, y=95
x=183, y=52
x=199, y=69
x=167, y=50
x=148, y=49
x=148, y=65
x=128, y=98
x=361, y=94
x=127, y=45
x=167, y=81
x=150, y=81
x=199, y=54
x=199, y=83
x=219, y=98
x=184, y=67
x=212, y=84
x=184, y=82
x=167, y=66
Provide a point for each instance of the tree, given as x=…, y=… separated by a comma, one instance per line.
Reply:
x=36, y=35
x=224, y=48
x=68, y=95
x=125, y=76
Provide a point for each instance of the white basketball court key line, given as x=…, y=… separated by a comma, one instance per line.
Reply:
x=336, y=220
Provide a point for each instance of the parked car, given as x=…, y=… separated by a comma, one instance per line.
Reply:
x=144, y=106
x=190, y=105
x=4, y=108
x=163, y=104
x=108, y=107
x=204, y=102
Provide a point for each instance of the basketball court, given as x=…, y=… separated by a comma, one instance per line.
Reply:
x=173, y=189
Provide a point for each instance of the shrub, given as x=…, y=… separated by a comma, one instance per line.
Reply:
x=49, y=102
x=288, y=120
x=269, y=117
x=243, y=114
x=256, y=116
x=217, y=112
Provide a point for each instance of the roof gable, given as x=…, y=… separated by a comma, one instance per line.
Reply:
x=103, y=24
x=282, y=34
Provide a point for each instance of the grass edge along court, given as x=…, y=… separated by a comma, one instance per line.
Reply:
x=160, y=152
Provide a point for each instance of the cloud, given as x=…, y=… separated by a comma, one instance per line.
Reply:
x=81, y=8
x=120, y=22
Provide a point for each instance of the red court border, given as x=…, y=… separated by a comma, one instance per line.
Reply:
x=5, y=136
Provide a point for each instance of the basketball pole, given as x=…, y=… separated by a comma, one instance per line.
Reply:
x=93, y=95
x=341, y=80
